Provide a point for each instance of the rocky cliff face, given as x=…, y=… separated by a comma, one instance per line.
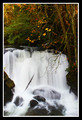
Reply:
x=8, y=86
x=72, y=81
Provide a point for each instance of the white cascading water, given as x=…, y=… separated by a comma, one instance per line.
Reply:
x=48, y=72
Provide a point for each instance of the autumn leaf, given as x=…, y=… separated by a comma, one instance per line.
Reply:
x=39, y=37
x=44, y=34
x=32, y=41
x=49, y=30
x=28, y=38
x=33, y=31
x=46, y=29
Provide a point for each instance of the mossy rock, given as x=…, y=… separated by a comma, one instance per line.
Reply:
x=8, y=81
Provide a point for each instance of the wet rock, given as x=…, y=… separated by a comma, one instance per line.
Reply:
x=55, y=94
x=54, y=111
x=18, y=101
x=47, y=93
x=33, y=103
x=37, y=111
x=6, y=113
x=72, y=81
x=40, y=98
x=7, y=94
x=8, y=86
x=46, y=110
x=58, y=109
x=38, y=108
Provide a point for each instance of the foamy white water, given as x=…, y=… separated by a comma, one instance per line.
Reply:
x=49, y=74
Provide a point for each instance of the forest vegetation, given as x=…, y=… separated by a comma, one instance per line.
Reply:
x=43, y=25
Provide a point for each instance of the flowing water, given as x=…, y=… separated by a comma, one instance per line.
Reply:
x=48, y=73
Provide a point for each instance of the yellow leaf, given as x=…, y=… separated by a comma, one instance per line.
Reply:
x=46, y=29
x=44, y=34
x=32, y=41
x=28, y=38
x=39, y=37
x=49, y=30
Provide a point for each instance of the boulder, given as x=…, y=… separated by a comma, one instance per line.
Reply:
x=7, y=94
x=58, y=109
x=18, y=101
x=54, y=111
x=72, y=81
x=8, y=86
x=46, y=110
x=37, y=111
x=48, y=93
x=33, y=103
x=40, y=98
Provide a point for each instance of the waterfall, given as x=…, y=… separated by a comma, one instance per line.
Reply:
x=49, y=73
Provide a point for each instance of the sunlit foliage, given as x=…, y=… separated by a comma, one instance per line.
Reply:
x=43, y=25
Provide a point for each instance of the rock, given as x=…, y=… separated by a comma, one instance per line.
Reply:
x=47, y=93
x=55, y=94
x=33, y=103
x=8, y=86
x=37, y=111
x=18, y=101
x=6, y=113
x=40, y=98
x=8, y=81
x=54, y=111
x=72, y=81
x=7, y=94
x=46, y=110
x=58, y=109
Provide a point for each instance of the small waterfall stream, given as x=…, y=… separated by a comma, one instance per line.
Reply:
x=48, y=72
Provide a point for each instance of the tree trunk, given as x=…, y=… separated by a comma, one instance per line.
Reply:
x=74, y=33
x=72, y=17
x=64, y=32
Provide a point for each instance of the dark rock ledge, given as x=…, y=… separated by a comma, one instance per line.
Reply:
x=8, y=86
